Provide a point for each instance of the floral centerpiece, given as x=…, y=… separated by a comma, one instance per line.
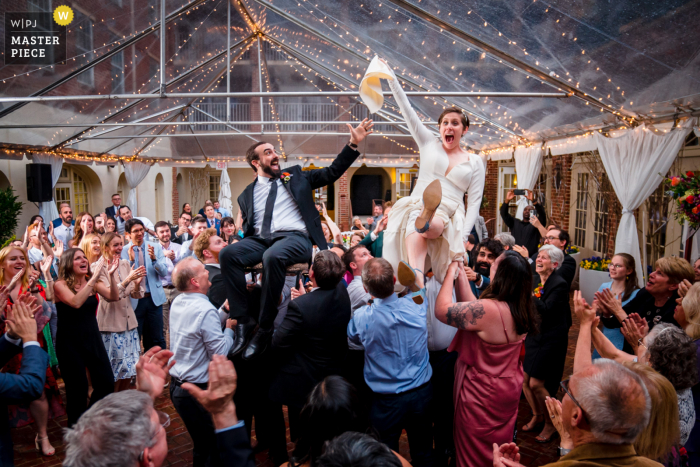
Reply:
x=595, y=263
x=685, y=190
x=346, y=239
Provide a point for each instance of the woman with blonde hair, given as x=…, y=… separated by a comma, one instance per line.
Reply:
x=90, y=244
x=17, y=275
x=84, y=224
x=116, y=319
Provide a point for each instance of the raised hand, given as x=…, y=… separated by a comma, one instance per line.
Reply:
x=152, y=370
x=535, y=222
x=586, y=313
x=223, y=380
x=506, y=455
x=136, y=273
x=46, y=266
x=170, y=254
x=152, y=252
x=16, y=279
x=529, y=194
x=471, y=275
x=522, y=250
x=4, y=294
x=97, y=271
x=510, y=196
x=58, y=248
x=113, y=266
x=381, y=225
x=298, y=292
x=555, y=414
x=360, y=132
x=683, y=287
x=131, y=253
x=20, y=322
x=33, y=277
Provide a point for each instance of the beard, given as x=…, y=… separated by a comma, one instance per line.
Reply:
x=272, y=173
x=483, y=268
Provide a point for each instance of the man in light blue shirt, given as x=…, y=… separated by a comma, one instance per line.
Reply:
x=397, y=369
x=223, y=211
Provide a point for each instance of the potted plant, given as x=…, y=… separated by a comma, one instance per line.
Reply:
x=593, y=273
x=10, y=209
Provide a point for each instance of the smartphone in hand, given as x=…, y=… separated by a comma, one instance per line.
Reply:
x=519, y=192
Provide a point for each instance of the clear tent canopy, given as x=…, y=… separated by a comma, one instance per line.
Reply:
x=525, y=72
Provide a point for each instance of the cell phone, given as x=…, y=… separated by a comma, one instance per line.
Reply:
x=519, y=192
x=305, y=275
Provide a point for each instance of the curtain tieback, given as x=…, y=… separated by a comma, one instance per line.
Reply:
x=627, y=211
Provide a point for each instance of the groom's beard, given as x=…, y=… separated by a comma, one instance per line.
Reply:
x=483, y=268
x=272, y=173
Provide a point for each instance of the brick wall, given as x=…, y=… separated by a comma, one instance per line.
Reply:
x=176, y=198
x=559, y=204
x=343, y=203
x=491, y=194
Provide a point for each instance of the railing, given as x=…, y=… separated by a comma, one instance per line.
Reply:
x=286, y=112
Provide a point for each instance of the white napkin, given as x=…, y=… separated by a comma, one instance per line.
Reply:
x=371, y=85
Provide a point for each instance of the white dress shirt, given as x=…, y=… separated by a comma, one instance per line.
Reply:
x=285, y=215
x=195, y=337
x=64, y=233
x=167, y=280
x=358, y=298
x=440, y=335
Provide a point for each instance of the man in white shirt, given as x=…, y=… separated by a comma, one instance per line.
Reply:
x=355, y=260
x=195, y=337
x=66, y=230
x=171, y=251
x=126, y=215
x=280, y=226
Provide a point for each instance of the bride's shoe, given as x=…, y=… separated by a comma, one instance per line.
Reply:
x=431, y=201
x=407, y=278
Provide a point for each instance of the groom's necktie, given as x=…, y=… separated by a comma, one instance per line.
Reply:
x=269, y=205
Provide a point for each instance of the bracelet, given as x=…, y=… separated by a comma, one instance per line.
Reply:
x=563, y=451
x=352, y=145
x=48, y=280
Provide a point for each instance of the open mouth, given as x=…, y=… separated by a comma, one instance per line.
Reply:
x=449, y=139
x=275, y=164
x=18, y=268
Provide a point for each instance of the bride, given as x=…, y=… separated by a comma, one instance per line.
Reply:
x=429, y=224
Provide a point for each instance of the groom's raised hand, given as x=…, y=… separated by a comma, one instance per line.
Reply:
x=361, y=131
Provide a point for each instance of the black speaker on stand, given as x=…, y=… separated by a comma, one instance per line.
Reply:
x=39, y=188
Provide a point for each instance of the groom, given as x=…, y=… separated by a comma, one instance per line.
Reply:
x=280, y=225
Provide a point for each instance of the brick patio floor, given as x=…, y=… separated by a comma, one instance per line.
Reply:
x=180, y=444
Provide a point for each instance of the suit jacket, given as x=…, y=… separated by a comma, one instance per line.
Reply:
x=29, y=383
x=310, y=344
x=154, y=272
x=374, y=247
x=111, y=211
x=301, y=187
x=176, y=238
x=217, y=290
x=553, y=307
x=567, y=270
x=217, y=225
x=234, y=448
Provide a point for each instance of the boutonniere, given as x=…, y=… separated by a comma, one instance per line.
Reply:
x=286, y=176
x=538, y=290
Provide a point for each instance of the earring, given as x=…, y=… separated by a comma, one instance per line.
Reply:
x=627, y=278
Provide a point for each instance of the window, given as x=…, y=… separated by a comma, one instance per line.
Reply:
x=117, y=70
x=83, y=45
x=657, y=205
x=72, y=189
x=36, y=6
x=581, y=210
x=600, y=220
x=214, y=181
x=406, y=180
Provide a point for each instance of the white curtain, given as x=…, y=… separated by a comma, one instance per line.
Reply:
x=225, y=190
x=528, y=164
x=134, y=172
x=635, y=164
x=47, y=209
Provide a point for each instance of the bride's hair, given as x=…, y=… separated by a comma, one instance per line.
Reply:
x=454, y=110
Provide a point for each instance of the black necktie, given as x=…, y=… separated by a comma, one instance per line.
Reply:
x=269, y=205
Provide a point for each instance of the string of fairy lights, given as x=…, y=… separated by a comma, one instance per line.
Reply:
x=313, y=47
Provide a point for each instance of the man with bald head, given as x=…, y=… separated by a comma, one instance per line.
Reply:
x=605, y=407
x=525, y=233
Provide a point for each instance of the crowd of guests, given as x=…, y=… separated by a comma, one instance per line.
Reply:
x=112, y=301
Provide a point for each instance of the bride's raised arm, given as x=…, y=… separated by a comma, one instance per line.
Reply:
x=420, y=133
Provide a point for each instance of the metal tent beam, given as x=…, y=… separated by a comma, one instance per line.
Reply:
x=127, y=43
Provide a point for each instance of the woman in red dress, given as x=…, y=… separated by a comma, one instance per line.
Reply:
x=21, y=278
x=489, y=369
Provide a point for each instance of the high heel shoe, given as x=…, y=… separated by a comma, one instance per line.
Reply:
x=432, y=196
x=407, y=278
x=37, y=445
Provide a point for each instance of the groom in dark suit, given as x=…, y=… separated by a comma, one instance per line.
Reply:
x=280, y=225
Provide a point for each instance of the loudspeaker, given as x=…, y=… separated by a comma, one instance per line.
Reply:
x=39, y=187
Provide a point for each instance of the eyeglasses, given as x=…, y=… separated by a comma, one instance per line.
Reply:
x=164, y=421
x=565, y=386
x=551, y=238
x=616, y=266
x=639, y=342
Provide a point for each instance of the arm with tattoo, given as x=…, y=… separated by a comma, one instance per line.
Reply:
x=465, y=315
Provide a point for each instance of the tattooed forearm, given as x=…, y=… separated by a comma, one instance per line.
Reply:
x=462, y=315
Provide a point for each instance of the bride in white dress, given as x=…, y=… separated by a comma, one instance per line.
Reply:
x=447, y=173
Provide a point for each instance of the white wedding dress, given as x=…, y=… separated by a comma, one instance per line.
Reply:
x=465, y=178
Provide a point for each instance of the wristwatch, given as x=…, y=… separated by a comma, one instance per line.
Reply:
x=478, y=278
x=352, y=145
x=563, y=451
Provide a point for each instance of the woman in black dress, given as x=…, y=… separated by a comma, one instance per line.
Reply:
x=79, y=344
x=545, y=352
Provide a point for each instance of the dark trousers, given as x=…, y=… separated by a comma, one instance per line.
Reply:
x=276, y=254
x=150, y=319
x=443, y=365
x=7, y=454
x=410, y=410
x=74, y=360
x=353, y=371
x=199, y=425
x=252, y=401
